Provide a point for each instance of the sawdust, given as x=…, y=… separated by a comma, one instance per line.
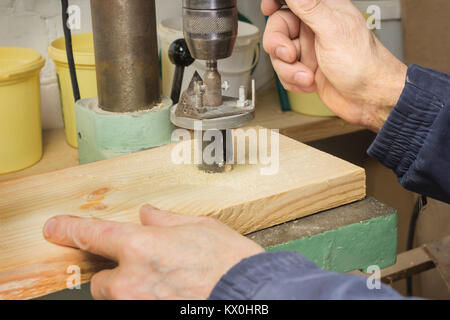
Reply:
x=94, y=106
x=230, y=179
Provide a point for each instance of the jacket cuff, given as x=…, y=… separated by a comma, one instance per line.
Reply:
x=407, y=128
x=245, y=279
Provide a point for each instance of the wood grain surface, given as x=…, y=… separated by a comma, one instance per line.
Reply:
x=308, y=181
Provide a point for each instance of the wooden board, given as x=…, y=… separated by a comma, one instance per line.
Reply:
x=308, y=181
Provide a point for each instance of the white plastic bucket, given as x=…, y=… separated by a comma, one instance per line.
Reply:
x=236, y=70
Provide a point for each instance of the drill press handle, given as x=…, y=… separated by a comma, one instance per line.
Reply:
x=181, y=57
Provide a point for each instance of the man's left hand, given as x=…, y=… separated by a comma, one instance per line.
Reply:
x=169, y=256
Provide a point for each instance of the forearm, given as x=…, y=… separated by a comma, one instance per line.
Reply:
x=415, y=140
x=289, y=275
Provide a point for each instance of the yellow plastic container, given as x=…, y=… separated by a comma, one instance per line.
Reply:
x=20, y=108
x=309, y=104
x=83, y=52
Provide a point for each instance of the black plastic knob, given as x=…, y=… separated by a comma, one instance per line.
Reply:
x=179, y=53
x=181, y=57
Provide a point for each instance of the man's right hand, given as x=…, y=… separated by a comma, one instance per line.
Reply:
x=325, y=46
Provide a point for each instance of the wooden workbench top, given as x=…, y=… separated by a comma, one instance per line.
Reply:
x=59, y=155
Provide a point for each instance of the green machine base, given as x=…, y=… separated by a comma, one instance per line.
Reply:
x=104, y=135
x=351, y=237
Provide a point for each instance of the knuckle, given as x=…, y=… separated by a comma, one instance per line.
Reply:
x=135, y=246
x=356, y=25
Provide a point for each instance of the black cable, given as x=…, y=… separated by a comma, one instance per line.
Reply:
x=69, y=50
x=420, y=204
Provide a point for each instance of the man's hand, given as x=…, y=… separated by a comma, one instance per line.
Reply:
x=325, y=46
x=169, y=257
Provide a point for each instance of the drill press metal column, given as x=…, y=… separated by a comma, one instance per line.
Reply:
x=126, y=54
x=129, y=115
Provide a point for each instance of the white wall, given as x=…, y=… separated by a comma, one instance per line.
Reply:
x=36, y=23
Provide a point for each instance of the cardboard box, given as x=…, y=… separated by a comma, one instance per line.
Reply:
x=426, y=29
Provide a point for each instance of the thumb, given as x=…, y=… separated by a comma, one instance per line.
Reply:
x=315, y=13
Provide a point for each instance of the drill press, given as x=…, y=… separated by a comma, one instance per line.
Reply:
x=210, y=31
x=130, y=115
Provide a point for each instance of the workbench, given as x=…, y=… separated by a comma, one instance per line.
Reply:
x=350, y=237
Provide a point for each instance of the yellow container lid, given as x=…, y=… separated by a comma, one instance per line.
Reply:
x=83, y=50
x=19, y=62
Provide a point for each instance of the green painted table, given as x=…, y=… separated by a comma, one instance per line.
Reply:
x=351, y=237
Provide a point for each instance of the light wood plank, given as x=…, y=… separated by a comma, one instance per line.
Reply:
x=308, y=181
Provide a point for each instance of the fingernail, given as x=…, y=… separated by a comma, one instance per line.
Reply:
x=300, y=77
x=282, y=53
x=50, y=227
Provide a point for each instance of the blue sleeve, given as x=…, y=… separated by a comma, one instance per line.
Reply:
x=415, y=141
x=288, y=276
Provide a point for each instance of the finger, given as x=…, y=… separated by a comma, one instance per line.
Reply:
x=294, y=88
x=268, y=7
x=151, y=216
x=100, y=282
x=99, y=237
x=315, y=13
x=296, y=74
x=308, y=48
x=282, y=27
